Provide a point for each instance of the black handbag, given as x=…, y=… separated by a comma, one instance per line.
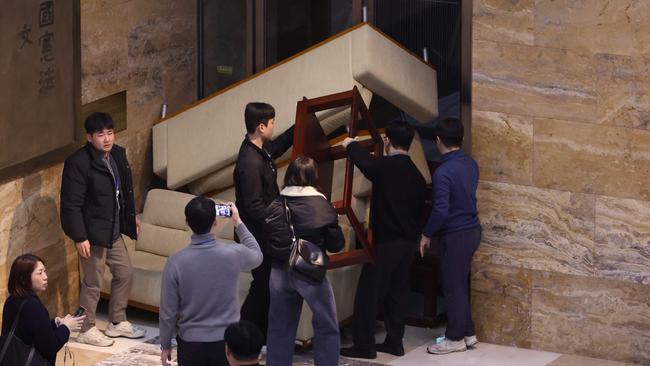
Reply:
x=307, y=259
x=15, y=352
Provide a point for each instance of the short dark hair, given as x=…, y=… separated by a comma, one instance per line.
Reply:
x=256, y=113
x=20, y=275
x=97, y=122
x=301, y=172
x=400, y=133
x=244, y=340
x=451, y=132
x=200, y=214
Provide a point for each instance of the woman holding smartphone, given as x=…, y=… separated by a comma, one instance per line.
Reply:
x=27, y=279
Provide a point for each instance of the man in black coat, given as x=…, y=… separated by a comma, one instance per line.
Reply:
x=256, y=187
x=398, y=194
x=97, y=206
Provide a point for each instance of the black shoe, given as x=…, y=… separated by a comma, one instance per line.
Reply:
x=355, y=353
x=390, y=349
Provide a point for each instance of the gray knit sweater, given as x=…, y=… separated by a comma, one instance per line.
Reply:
x=199, y=297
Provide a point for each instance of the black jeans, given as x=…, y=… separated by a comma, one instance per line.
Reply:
x=256, y=306
x=384, y=285
x=201, y=353
x=457, y=250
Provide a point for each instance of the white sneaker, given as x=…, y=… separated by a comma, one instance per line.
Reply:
x=124, y=329
x=471, y=341
x=94, y=337
x=447, y=346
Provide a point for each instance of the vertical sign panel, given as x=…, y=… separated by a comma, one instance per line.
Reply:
x=39, y=79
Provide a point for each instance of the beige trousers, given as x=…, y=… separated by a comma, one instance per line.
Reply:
x=92, y=273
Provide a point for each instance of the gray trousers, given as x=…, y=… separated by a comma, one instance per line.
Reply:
x=92, y=273
x=287, y=294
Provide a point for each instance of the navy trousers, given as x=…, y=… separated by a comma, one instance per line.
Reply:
x=457, y=250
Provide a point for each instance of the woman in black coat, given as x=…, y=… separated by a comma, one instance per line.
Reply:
x=314, y=219
x=27, y=278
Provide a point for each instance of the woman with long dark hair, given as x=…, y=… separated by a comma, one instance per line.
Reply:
x=314, y=219
x=27, y=279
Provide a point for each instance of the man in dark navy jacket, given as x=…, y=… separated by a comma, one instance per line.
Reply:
x=97, y=207
x=454, y=217
x=256, y=187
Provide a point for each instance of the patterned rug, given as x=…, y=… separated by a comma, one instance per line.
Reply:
x=148, y=354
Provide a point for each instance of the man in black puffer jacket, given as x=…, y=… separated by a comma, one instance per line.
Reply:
x=97, y=206
x=256, y=186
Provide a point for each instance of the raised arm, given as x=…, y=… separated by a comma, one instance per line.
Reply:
x=368, y=164
x=280, y=144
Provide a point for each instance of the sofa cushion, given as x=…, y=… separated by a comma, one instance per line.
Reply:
x=161, y=240
x=166, y=208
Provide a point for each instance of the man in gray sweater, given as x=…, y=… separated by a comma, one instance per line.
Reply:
x=200, y=287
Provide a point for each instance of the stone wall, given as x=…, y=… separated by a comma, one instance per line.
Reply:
x=146, y=47
x=561, y=131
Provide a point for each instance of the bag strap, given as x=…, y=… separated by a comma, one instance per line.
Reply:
x=10, y=336
x=288, y=213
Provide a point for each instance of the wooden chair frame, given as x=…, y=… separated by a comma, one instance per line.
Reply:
x=310, y=140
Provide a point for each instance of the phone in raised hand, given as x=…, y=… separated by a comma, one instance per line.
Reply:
x=223, y=210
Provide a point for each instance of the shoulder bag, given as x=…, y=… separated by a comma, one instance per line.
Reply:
x=15, y=352
x=307, y=259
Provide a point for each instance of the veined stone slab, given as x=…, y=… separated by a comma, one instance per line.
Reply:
x=598, y=26
x=591, y=316
x=104, y=53
x=626, y=91
x=623, y=239
x=502, y=145
x=504, y=21
x=161, y=58
x=580, y=157
x=534, y=81
x=501, y=304
x=536, y=228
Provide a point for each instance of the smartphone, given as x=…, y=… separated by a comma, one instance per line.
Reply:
x=223, y=210
x=81, y=311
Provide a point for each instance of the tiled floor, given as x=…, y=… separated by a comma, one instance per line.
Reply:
x=415, y=342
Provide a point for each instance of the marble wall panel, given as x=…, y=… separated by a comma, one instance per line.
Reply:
x=501, y=304
x=10, y=198
x=535, y=81
x=104, y=48
x=626, y=90
x=623, y=239
x=30, y=224
x=161, y=58
x=617, y=27
x=504, y=21
x=536, y=228
x=580, y=157
x=591, y=316
x=503, y=147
